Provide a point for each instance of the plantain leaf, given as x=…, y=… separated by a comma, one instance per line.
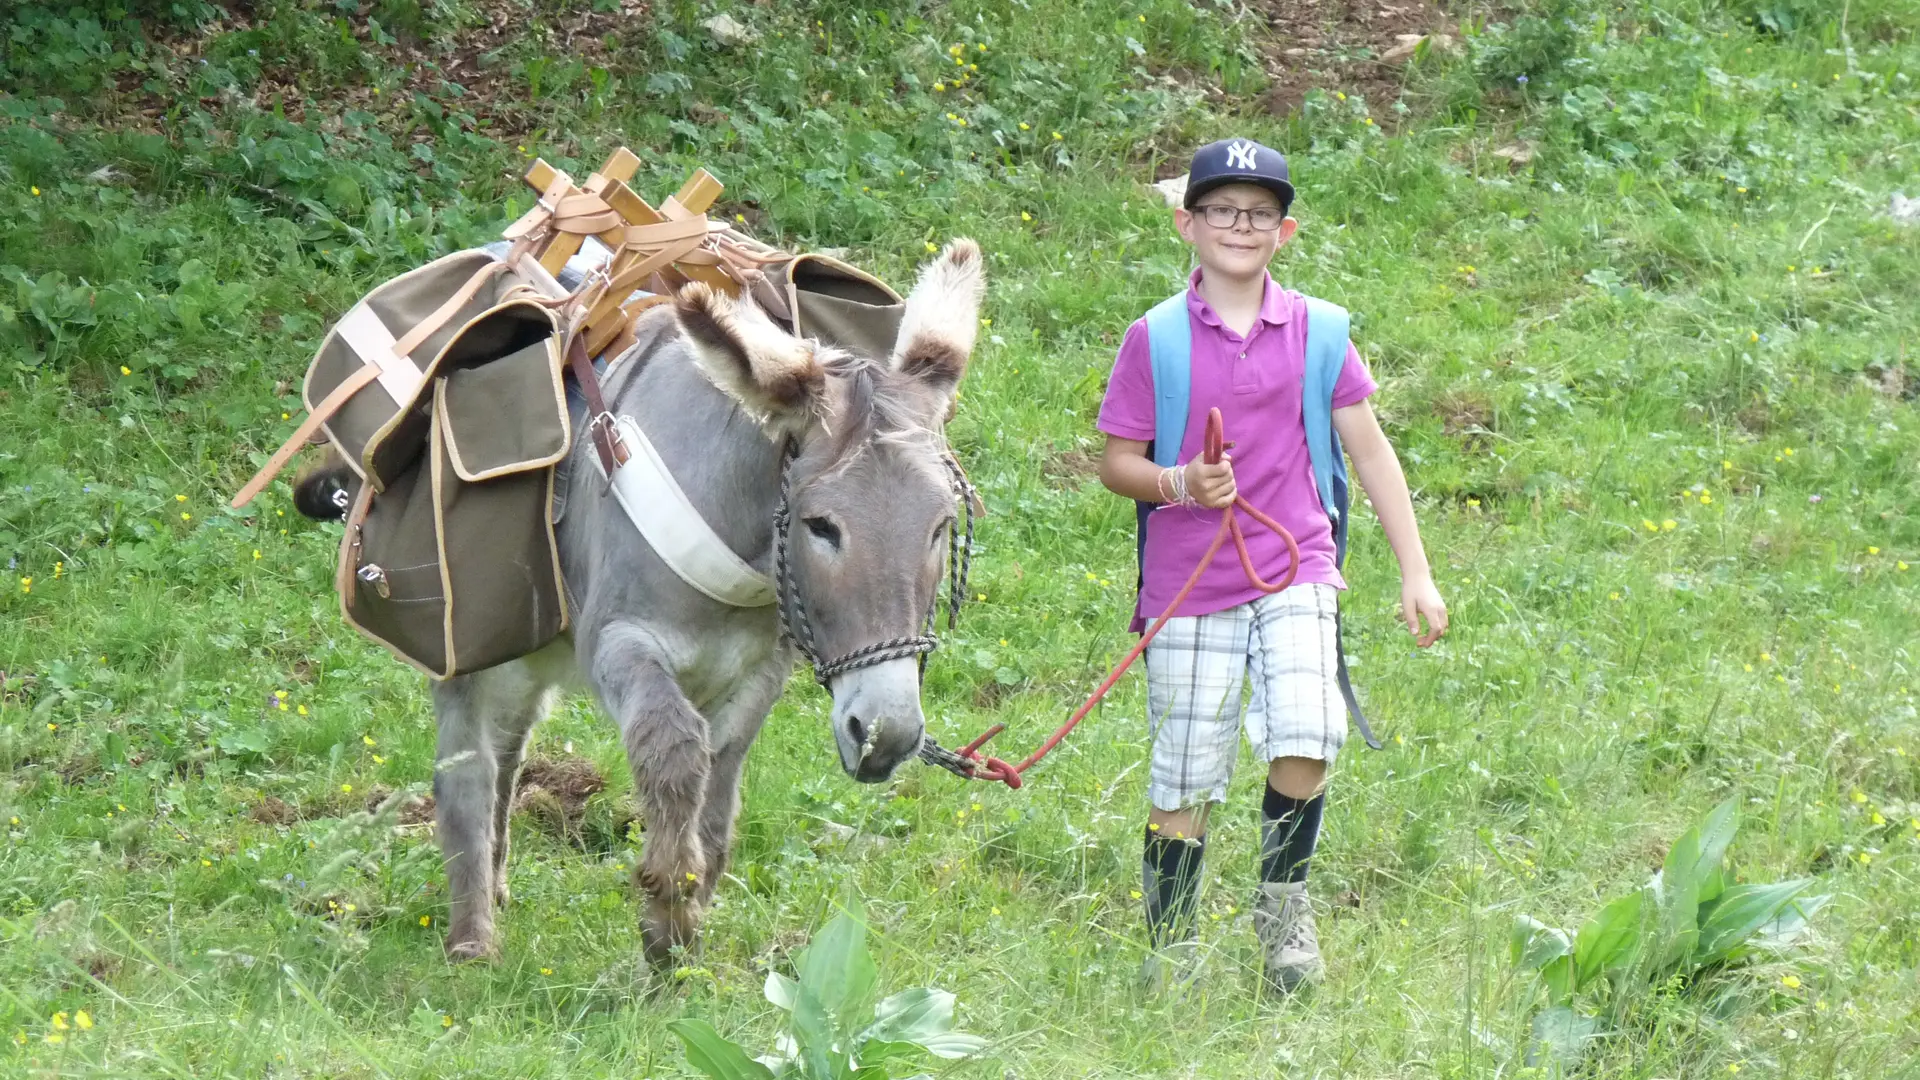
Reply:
x=1559, y=1035
x=1610, y=939
x=716, y=1055
x=1739, y=914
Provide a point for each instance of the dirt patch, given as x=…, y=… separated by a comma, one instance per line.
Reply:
x=273, y=811
x=554, y=794
x=1341, y=45
x=1070, y=466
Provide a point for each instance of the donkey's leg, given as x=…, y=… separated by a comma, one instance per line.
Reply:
x=736, y=723
x=666, y=741
x=478, y=715
x=511, y=738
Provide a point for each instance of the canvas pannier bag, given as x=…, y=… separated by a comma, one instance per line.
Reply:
x=443, y=391
x=453, y=428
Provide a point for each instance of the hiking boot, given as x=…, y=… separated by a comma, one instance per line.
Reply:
x=1283, y=919
x=1171, y=968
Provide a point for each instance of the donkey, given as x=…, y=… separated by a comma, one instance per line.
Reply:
x=741, y=411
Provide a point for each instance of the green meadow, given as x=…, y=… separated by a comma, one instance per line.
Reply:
x=1644, y=320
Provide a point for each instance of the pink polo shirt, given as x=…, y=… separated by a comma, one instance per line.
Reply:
x=1255, y=382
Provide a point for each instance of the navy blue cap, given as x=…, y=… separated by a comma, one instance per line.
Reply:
x=1238, y=161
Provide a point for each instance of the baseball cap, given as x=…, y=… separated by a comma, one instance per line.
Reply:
x=1238, y=161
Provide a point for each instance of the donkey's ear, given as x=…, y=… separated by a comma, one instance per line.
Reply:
x=943, y=311
x=773, y=375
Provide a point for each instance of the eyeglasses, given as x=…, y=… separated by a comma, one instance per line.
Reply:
x=1224, y=216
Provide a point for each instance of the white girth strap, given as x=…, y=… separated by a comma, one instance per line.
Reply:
x=675, y=530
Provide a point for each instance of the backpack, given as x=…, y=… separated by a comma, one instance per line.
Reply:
x=1170, y=349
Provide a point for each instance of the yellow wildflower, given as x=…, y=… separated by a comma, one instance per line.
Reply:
x=1057, y=136
x=939, y=87
x=446, y=1021
x=546, y=971
x=1651, y=527
x=1025, y=216
x=1024, y=126
x=125, y=370
x=302, y=710
x=184, y=516
x=1725, y=464
x=1705, y=499
x=426, y=920
x=1871, y=550
x=26, y=584
x=1669, y=525
x=179, y=498
x=1791, y=982
x=35, y=190
x=53, y=1038
x=346, y=789
x=367, y=739
x=1859, y=796
x=930, y=246
x=1878, y=818
x=256, y=553
x=59, y=1021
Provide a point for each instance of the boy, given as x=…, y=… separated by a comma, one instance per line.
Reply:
x=1247, y=359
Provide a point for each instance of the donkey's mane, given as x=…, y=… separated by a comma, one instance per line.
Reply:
x=878, y=405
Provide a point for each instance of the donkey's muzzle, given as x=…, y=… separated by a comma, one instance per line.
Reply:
x=877, y=722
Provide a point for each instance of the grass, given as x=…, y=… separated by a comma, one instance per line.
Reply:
x=1651, y=385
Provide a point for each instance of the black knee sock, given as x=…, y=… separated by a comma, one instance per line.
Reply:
x=1289, y=828
x=1170, y=877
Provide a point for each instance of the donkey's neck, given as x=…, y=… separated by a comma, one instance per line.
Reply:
x=718, y=454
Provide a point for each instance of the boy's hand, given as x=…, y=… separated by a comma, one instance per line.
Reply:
x=1418, y=597
x=1211, y=485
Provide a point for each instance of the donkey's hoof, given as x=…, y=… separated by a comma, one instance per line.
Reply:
x=472, y=952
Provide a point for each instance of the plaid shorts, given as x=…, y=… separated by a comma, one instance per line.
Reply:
x=1196, y=670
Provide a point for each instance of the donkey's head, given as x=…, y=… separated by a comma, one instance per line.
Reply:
x=871, y=497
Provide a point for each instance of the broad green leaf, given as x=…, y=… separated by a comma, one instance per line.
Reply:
x=879, y=1051
x=1793, y=923
x=1559, y=1035
x=1698, y=853
x=953, y=1045
x=813, y=1036
x=1558, y=977
x=716, y=1055
x=1738, y=914
x=912, y=1015
x=1678, y=926
x=780, y=990
x=1535, y=944
x=1609, y=939
x=837, y=969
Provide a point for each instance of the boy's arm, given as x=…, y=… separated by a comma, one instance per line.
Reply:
x=1378, y=468
x=1126, y=470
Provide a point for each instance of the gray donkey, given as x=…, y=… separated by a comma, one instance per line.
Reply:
x=849, y=453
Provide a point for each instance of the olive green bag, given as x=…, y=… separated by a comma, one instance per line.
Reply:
x=442, y=391
x=449, y=557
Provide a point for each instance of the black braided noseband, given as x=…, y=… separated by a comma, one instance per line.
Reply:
x=793, y=609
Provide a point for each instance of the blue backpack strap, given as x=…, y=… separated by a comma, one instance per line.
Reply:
x=1170, y=354
x=1170, y=346
x=1328, y=328
x=1327, y=333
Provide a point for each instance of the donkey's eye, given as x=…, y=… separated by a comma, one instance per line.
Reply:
x=824, y=530
x=939, y=534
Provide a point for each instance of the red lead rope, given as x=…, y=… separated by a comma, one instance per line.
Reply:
x=992, y=768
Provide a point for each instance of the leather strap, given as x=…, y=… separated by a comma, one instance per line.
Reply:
x=321, y=414
x=413, y=338
x=607, y=444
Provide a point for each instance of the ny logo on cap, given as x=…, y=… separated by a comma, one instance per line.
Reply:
x=1240, y=155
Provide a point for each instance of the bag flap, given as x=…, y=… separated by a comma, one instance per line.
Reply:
x=505, y=417
x=482, y=340
x=844, y=305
